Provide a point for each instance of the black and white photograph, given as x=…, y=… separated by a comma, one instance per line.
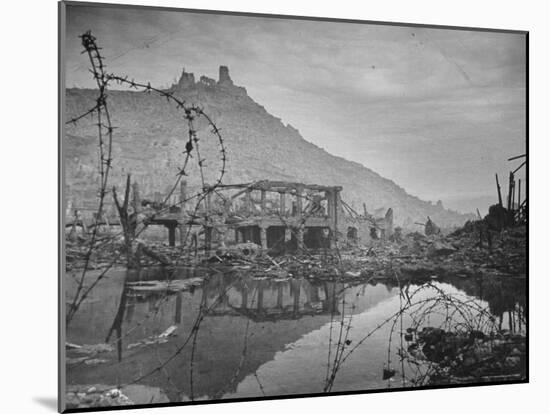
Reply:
x=261, y=206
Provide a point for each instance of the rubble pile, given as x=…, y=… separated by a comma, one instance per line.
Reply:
x=95, y=396
x=472, y=250
x=469, y=357
x=113, y=254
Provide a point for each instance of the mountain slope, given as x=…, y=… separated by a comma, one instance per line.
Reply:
x=151, y=135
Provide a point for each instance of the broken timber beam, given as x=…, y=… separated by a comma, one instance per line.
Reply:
x=519, y=193
x=498, y=191
x=510, y=185
x=516, y=157
x=136, y=201
x=183, y=213
x=521, y=165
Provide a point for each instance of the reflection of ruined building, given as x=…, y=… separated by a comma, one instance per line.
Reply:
x=273, y=300
x=266, y=315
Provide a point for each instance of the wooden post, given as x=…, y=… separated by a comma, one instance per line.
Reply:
x=299, y=202
x=335, y=222
x=498, y=191
x=388, y=223
x=248, y=201
x=282, y=202
x=128, y=227
x=519, y=193
x=171, y=235
x=263, y=202
x=300, y=237
x=288, y=234
x=263, y=237
x=510, y=181
x=183, y=212
x=331, y=206
x=513, y=195
x=330, y=203
x=136, y=201
x=207, y=238
x=365, y=210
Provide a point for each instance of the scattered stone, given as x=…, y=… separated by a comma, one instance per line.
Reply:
x=95, y=396
x=69, y=345
x=441, y=249
x=155, y=339
x=470, y=355
x=93, y=349
x=175, y=285
x=388, y=373
x=168, y=332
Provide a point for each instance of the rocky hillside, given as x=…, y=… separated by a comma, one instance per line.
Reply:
x=151, y=134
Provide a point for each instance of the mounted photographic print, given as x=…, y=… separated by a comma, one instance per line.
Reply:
x=257, y=206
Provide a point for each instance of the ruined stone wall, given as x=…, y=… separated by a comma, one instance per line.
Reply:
x=224, y=78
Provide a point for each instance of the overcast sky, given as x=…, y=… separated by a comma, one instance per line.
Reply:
x=437, y=111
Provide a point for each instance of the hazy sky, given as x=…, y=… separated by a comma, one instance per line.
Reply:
x=437, y=111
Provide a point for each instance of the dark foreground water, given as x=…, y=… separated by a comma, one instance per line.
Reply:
x=235, y=336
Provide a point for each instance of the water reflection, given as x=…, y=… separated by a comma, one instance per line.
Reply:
x=505, y=296
x=271, y=300
x=255, y=336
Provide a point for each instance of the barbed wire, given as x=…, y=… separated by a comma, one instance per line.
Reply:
x=191, y=112
x=105, y=130
x=473, y=315
x=101, y=109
